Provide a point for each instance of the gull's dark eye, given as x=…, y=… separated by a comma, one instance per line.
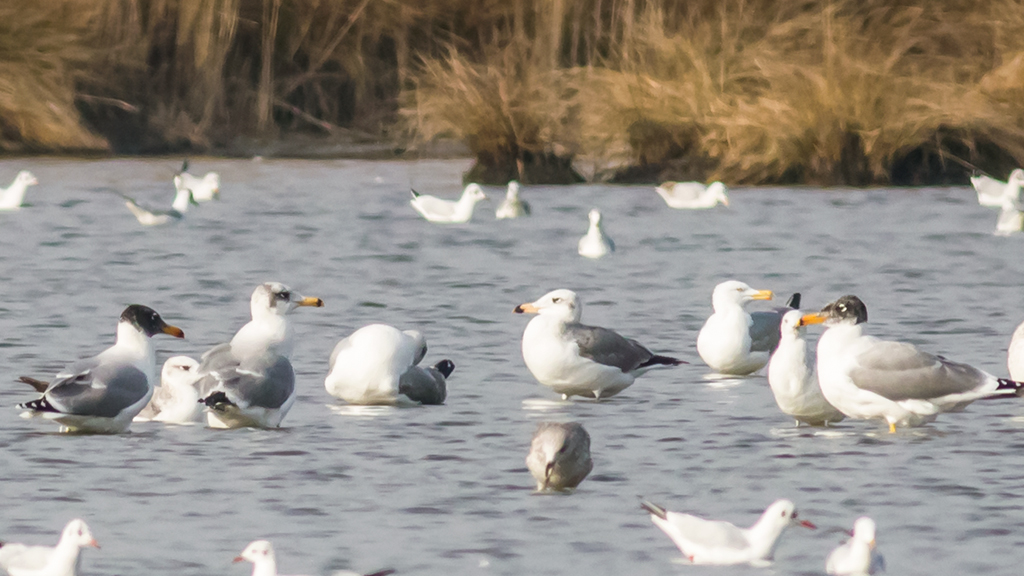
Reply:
x=284, y=295
x=556, y=300
x=784, y=514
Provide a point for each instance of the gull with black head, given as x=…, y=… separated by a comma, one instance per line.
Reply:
x=249, y=381
x=866, y=377
x=103, y=393
x=574, y=359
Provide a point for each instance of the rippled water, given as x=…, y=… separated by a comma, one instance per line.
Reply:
x=444, y=490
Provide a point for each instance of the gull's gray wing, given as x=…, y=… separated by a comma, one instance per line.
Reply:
x=764, y=330
x=266, y=381
x=899, y=371
x=91, y=388
x=607, y=347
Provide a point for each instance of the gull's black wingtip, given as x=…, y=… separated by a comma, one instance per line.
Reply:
x=794, y=301
x=415, y=194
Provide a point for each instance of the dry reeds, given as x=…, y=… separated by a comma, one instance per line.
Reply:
x=825, y=91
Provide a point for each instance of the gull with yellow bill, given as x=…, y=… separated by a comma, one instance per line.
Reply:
x=869, y=378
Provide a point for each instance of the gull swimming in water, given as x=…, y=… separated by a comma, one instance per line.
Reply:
x=378, y=364
x=722, y=543
x=249, y=381
x=734, y=341
x=512, y=206
x=865, y=377
x=264, y=562
x=62, y=560
x=993, y=193
x=1011, y=218
x=559, y=457
x=441, y=211
x=182, y=199
x=858, y=556
x=176, y=400
x=692, y=195
x=12, y=197
x=203, y=189
x=792, y=378
x=103, y=393
x=595, y=243
x=578, y=360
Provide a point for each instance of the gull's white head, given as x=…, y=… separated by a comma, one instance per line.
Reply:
x=1016, y=177
x=513, y=190
x=78, y=533
x=791, y=325
x=475, y=192
x=736, y=293
x=781, y=514
x=277, y=299
x=718, y=189
x=562, y=304
x=864, y=531
x=25, y=178
x=257, y=552
x=179, y=371
x=595, y=218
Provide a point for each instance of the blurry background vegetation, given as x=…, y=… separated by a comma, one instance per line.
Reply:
x=744, y=91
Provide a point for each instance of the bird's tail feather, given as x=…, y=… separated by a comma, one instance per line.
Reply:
x=662, y=360
x=39, y=385
x=654, y=509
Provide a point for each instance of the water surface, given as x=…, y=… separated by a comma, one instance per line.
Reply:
x=444, y=490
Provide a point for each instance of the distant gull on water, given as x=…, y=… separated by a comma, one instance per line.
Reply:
x=12, y=197
x=203, y=189
x=62, y=560
x=595, y=243
x=264, y=562
x=692, y=195
x=512, y=206
x=559, y=457
x=435, y=209
x=176, y=400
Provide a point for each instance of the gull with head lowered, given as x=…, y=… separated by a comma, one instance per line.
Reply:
x=578, y=360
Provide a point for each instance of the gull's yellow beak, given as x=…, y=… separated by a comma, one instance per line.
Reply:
x=811, y=319
x=525, y=308
x=311, y=301
x=763, y=295
x=173, y=331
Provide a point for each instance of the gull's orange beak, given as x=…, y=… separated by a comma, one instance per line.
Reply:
x=815, y=318
x=237, y=560
x=93, y=543
x=525, y=308
x=312, y=301
x=763, y=295
x=173, y=331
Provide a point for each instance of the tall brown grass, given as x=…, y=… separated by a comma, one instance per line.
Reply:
x=827, y=91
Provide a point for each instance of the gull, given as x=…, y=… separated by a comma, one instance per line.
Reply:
x=578, y=360
x=1015, y=355
x=693, y=195
x=447, y=211
x=1011, y=218
x=559, y=457
x=858, y=556
x=176, y=400
x=734, y=341
x=718, y=542
x=249, y=381
x=261, y=554
x=992, y=192
x=793, y=380
x=512, y=206
x=182, y=199
x=378, y=364
x=12, y=197
x=203, y=189
x=595, y=243
x=103, y=393
x=62, y=560
x=865, y=377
